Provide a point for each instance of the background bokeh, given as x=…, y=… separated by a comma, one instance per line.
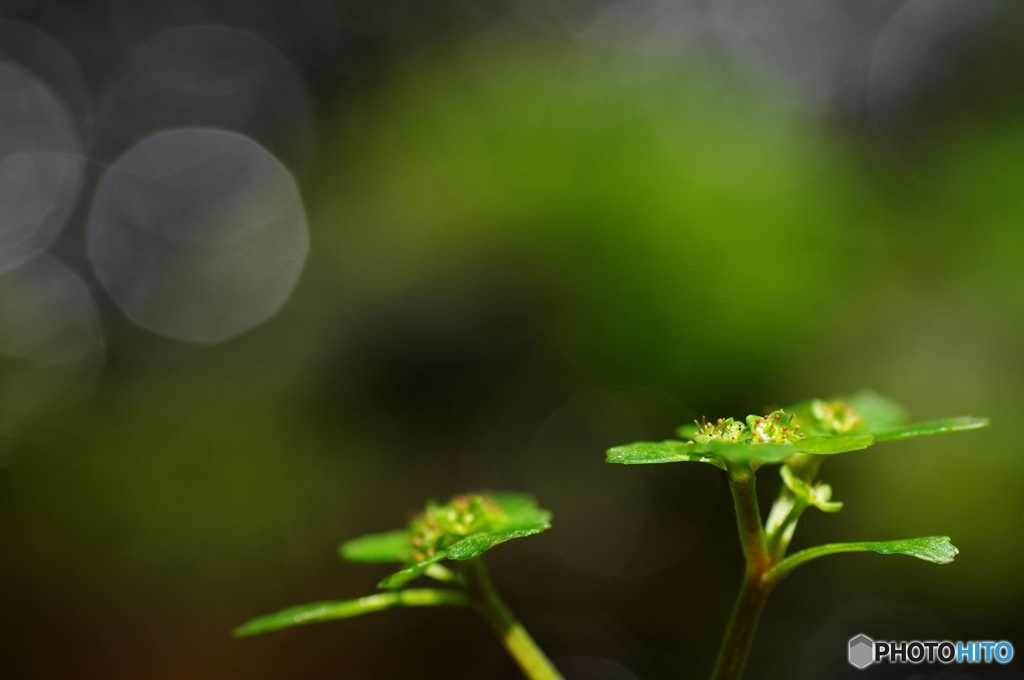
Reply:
x=274, y=272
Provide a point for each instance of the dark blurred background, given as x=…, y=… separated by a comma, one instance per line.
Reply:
x=273, y=273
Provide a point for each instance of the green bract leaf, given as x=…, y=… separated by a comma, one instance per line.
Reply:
x=390, y=546
x=832, y=445
x=860, y=413
x=878, y=412
x=521, y=518
x=400, y=578
x=747, y=453
x=471, y=546
x=718, y=452
x=642, y=453
x=520, y=510
x=326, y=611
x=465, y=527
x=931, y=427
x=935, y=549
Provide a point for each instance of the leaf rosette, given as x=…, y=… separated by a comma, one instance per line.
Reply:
x=462, y=529
x=465, y=527
x=815, y=427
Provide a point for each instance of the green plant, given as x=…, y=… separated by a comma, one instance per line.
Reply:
x=800, y=439
x=459, y=531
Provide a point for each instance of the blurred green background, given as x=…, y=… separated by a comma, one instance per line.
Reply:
x=530, y=242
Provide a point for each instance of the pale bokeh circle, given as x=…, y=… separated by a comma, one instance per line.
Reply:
x=927, y=47
x=38, y=53
x=51, y=339
x=207, y=76
x=47, y=314
x=40, y=166
x=198, y=234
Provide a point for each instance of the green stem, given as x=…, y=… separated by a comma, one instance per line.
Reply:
x=739, y=636
x=748, y=519
x=757, y=585
x=782, y=521
x=783, y=568
x=533, y=662
x=786, y=511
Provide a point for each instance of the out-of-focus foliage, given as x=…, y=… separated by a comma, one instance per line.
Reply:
x=620, y=188
x=330, y=611
x=462, y=529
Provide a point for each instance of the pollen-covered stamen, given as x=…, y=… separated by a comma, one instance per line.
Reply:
x=724, y=429
x=773, y=428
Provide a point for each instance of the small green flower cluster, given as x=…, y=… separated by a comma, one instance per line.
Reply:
x=837, y=416
x=727, y=430
x=774, y=428
x=439, y=526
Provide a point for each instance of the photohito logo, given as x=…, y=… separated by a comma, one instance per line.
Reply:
x=863, y=651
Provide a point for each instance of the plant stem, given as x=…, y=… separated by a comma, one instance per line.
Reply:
x=732, y=657
x=748, y=519
x=782, y=521
x=786, y=510
x=533, y=662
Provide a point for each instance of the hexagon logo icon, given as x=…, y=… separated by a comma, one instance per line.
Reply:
x=862, y=651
